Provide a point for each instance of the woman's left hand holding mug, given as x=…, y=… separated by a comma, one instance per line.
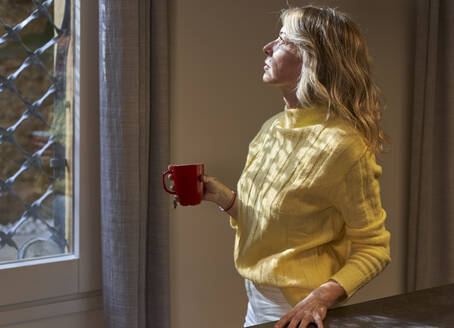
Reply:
x=212, y=188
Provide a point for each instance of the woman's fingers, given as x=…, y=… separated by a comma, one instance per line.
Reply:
x=169, y=175
x=301, y=319
x=318, y=320
x=295, y=323
x=305, y=322
x=284, y=320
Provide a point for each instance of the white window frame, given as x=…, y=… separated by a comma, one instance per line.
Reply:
x=68, y=283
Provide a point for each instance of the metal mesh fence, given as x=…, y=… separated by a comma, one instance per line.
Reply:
x=51, y=137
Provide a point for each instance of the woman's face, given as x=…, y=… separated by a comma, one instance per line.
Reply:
x=282, y=62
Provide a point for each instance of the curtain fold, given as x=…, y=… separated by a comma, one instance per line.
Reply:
x=430, y=248
x=134, y=144
x=158, y=258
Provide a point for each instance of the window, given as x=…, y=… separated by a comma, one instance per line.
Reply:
x=48, y=270
x=36, y=130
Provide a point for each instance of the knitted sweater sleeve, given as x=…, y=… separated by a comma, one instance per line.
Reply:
x=358, y=200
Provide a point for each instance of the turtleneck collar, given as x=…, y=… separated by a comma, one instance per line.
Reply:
x=301, y=117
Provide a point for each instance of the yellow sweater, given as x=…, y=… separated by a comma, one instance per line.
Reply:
x=309, y=206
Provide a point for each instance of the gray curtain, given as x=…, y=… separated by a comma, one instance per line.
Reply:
x=134, y=143
x=430, y=260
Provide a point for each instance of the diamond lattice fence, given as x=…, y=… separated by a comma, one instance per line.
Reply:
x=33, y=131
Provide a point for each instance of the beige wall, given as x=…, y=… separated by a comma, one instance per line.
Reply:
x=218, y=103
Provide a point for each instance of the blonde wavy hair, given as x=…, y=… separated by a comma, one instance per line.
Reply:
x=336, y=69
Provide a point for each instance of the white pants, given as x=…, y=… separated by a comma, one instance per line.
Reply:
x=265, y=304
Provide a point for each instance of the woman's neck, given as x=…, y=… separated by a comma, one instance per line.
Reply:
x=290, y=99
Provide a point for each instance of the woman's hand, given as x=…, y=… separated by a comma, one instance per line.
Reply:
x=314, y=307
x=212, y=188
x=310, y=309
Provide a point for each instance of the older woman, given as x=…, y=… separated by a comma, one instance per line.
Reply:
x=310, y=228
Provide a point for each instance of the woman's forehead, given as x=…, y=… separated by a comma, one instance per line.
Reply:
x=283, y=32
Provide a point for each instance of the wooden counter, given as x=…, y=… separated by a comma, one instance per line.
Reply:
x=433, y=307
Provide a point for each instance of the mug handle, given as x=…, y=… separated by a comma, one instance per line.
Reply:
x=164, y=183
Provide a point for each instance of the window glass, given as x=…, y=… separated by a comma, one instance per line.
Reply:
x=36, y=129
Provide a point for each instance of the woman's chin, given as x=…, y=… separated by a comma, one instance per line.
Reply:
x=266, y=78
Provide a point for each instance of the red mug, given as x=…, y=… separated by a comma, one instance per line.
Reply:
x=187, y=183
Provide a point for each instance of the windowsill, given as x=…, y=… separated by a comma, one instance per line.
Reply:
x=37, y=261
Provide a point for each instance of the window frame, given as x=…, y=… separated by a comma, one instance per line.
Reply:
x=73, y=276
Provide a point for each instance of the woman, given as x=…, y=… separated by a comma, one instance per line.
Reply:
x=308, y=218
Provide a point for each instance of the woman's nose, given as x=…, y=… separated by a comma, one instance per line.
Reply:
x=267, y=49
